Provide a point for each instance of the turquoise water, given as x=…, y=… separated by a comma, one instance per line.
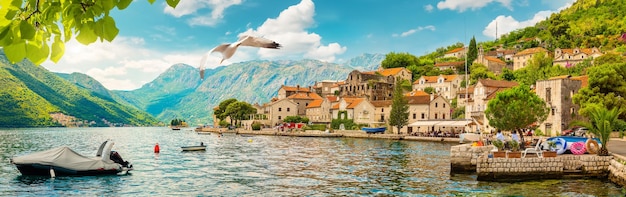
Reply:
x=262, y=166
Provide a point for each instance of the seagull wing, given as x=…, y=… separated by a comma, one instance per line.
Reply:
x=258, y=42
x=220, y=48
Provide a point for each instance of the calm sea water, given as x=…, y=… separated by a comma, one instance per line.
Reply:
x=262, y=166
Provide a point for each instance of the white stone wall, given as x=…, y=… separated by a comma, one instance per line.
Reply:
x=519, y=165
x=617, y=170
x=466, y=156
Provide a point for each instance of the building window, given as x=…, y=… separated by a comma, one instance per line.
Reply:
x=382, y=109
x=280, y=109
x=553, y=110
x=444, y=116
x=287, y=108
x=382, y=117
x=435, y=116
x=279, y=117
x=423, y=116
x=444, y=105
x=414, y=116
x=436, y=104
x=548, y=94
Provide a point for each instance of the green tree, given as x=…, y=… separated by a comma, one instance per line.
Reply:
x=515, y=109
x=220, y=112
x=28, y=27
x=239, y=110
x=472, y=51
x=539, y=68
x=602, y=122
x=429, y=90
x=607, y=86
x=396, y=60
x=399, y=115
x=480, y=71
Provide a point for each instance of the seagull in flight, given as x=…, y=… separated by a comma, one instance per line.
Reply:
x=228, y=49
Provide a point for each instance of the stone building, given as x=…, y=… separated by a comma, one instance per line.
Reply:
x=558, y=92
x=484, y=90
x=368, y=85
x=444, y=85
x=570, y=57
x=458, y=53
x=286, y=91
x=450, y=65
x=520, y=60
x=302, y=99
x=327, y=87
x=277, y=111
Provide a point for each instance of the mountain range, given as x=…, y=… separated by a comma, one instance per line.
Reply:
x=31, y=93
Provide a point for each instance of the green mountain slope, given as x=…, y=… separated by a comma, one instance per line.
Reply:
x=179, y=92
x=32, y=93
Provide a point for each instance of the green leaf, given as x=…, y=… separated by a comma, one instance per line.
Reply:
x=86, y=35
x=151, y=1
x=15, y=52
x=5, y=36
x=172, y=3
x=58, y=49
x=123, y=4
x=27, y=30
x=107, y=4
x=37, y=52
x=110, y=31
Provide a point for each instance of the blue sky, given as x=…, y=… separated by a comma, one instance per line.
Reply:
x=154, y=37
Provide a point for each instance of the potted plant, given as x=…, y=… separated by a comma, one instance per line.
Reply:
x=500, y=146
x=515, y=153
x=551, y=149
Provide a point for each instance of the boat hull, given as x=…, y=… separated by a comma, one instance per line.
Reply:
x=44, y=170
x=193, y=148
x=374, y=129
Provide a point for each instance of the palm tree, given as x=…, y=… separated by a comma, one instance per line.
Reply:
x=601, y=123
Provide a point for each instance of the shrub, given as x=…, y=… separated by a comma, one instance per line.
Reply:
x=320, y=127
x=498, y=144
x=256, y=126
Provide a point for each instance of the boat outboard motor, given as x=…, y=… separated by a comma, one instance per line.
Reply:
x=115, y=157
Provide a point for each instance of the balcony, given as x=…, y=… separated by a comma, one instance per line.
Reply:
x=478, y=114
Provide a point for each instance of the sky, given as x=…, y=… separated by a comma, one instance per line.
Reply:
x=153, y=37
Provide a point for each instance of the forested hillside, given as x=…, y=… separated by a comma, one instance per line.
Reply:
x=29, y=94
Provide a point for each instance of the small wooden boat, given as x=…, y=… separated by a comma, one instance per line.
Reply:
x=374, y=129
x=194, y=148
x=175, y=128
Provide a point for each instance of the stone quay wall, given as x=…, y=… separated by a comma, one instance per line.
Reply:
x=464, y=157
x=513, y=169
x=617, y=170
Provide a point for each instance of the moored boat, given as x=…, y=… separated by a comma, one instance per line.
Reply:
x=374, y=129
x=201, y=147
x=63, y=161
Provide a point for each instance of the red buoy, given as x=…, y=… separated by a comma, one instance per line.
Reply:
x=156, y=148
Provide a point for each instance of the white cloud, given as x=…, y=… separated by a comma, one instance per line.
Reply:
x=189, y=7
x=289, y=29
x=429, y=8
x=124, y=64
x=412, y=31
x=506, y=24
x=463, y=5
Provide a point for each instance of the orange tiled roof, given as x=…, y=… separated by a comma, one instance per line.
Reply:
x=531, y=51
x=332, y=98
x=561, y=77
x=497, y=83
x=416, y=93
x=369, y=72
x=445, y=64
x=494, y=93
x=584, y=79
x=416, y=100
x=433, y=79
x=300, y=95
x=315, y=96
x=494, y=59
x=294, y=89
x=354, y=103
x=384, y=103
x=390, y=71
x=335, y=106
x=587, y=51
x=455, y=50
x=470, y=90
x=315, y=103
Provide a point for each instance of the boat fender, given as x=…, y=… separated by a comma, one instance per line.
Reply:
x=578, y=148
x=52, y=174
x=157, y=149
x=561, y=145
x=592, y=146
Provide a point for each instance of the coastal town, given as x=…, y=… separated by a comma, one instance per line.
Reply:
x=366, y=96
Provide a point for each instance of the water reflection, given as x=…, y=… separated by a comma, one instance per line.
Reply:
x=234, y=165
